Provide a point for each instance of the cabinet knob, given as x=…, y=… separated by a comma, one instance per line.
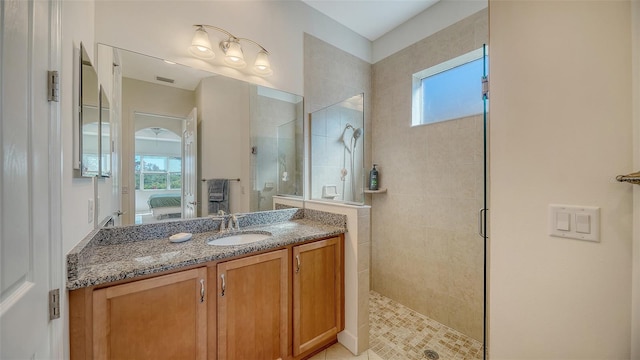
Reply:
x=201, y=290
x=224, y=285
x=297, y=263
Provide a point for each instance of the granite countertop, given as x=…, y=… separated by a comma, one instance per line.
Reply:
x=118, y=253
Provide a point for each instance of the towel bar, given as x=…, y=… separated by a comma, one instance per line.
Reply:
x=633, y=178
x=203, y=179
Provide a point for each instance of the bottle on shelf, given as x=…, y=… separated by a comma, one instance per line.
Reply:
x=373, y=178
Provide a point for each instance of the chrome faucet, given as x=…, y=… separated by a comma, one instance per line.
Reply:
x=222, y=225
x=222, y=216
x=234, y=224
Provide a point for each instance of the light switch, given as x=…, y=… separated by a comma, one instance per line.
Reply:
x=563, y=221
x=574, y=222
x=583, y=223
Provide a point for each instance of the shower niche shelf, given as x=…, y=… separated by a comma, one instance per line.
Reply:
x=379, y=191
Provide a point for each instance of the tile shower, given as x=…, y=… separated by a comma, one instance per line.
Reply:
x=426, y=254
x=431, y=258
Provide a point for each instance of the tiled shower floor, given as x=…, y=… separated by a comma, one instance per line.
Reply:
x=399, y=333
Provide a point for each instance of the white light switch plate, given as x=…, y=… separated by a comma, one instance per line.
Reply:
x=584, y=222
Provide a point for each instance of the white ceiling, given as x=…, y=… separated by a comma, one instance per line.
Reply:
x=147, y=68
x=371, y=18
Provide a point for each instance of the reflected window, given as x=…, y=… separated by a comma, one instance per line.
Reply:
x=156, y=172
x=450, y=90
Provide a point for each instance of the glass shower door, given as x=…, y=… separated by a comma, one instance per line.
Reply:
x=485, y=206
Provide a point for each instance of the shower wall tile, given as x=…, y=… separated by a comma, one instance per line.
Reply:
x=319, y=124
x=426, y=253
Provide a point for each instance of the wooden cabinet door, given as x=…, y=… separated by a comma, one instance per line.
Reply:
x=318, y=294
x=157, y=318
x=253, y=307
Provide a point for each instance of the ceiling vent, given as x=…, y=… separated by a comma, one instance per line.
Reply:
x=167, y=80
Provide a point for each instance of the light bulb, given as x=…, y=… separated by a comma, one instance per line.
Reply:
x=200, y=45
x=262, y=65
x=233, y=52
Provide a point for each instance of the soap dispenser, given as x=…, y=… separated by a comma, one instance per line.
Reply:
x=373, y=178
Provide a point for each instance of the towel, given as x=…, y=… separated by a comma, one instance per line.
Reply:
x=218, y=190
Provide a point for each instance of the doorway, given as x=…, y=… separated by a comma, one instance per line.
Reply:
x=157, y=168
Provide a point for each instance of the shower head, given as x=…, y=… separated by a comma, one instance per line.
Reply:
x=357, y=133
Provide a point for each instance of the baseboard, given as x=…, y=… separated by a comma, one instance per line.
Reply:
x=349, y=341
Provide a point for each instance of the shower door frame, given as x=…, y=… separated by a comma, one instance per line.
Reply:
x=483, y=213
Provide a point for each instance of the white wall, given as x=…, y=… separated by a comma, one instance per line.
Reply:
x=560, y=131
x=77, y=26
x=164, y=29
x=223, y=139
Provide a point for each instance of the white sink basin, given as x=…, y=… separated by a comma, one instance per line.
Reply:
x=238, y=239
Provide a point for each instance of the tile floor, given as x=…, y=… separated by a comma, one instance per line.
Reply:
x=399, y=333
x=339, y=352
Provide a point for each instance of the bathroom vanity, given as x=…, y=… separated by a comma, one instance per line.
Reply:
x=135, y=294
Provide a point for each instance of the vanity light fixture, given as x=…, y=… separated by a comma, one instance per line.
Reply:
x=232, y=49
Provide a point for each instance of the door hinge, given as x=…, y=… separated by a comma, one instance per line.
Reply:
x=54, y=304
x=485, y=87
x=53, y=86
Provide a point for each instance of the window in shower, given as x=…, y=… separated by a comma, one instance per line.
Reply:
x=449, y=90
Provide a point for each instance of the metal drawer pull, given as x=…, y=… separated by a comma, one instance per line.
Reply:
x=201, y=290
x=224, y=285
x=298, y=263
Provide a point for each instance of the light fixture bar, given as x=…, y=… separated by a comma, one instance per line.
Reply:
x=234, y=57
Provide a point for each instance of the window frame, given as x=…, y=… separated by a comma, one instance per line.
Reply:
x=139, y=185
x=417, y=104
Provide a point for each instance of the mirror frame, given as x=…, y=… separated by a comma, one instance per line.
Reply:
x=81, y=56
x=83, y=60
x=104, y=105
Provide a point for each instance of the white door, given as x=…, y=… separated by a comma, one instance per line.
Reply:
x=190, y=166
x=27, y=172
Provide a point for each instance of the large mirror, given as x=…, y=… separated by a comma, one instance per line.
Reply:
x=276, y=146
x=87, y=150
x=248, y=141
